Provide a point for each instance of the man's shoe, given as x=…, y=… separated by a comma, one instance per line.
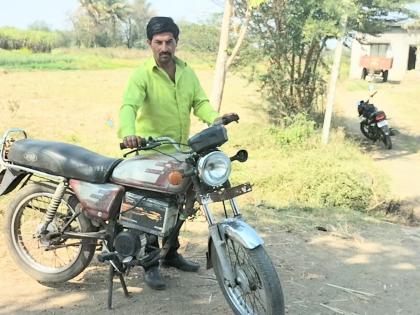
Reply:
x=181, y=263
x=154, y=279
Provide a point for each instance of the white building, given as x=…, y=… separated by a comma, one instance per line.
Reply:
x=399, y=43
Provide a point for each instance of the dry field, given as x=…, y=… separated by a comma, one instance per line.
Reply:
x=373, y=268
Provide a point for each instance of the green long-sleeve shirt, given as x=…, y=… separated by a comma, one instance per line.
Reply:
x=154, y=105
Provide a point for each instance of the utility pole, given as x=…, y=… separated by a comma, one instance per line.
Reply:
x=333, y=82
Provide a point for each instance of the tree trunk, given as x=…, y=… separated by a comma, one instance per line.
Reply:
x=241, y=37
x=222, y=57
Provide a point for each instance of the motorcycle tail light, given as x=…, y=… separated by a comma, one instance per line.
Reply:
x=380, y=117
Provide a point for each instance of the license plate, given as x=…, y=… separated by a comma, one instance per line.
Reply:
x=382, y=123
x=225, y=194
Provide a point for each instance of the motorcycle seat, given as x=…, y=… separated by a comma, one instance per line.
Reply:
x=62, y=159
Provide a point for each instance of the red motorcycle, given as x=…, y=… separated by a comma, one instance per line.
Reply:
x=72, y=201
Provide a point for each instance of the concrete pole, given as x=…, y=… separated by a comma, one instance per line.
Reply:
x=333, y=83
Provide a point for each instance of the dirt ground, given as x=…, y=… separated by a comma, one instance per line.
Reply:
x=371, y=269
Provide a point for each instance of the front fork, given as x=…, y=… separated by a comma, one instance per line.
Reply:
x=235, y=229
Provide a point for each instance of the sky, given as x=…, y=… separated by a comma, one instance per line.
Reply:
x=21, y=13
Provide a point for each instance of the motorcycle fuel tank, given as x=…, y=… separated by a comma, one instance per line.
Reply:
x=152, y=172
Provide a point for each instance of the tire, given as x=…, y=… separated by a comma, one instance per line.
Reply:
x=254, y=269
x=364, y=128
x=386, y=139
x=364, y=74
x=26, y=211
x=385, y=76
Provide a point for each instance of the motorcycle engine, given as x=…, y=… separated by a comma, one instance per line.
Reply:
x=130, y=243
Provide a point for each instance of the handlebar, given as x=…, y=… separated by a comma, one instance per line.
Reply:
x=147, y=144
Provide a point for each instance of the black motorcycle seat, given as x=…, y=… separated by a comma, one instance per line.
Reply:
x=62, y=159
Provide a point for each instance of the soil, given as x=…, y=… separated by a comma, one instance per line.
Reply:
x=374, y=269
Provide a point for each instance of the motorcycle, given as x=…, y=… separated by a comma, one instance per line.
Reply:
x=72, y=201
x=374, y=124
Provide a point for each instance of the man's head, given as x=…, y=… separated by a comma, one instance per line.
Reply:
x=162, y=37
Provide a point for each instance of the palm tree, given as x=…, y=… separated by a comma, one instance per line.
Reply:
x=115, y=11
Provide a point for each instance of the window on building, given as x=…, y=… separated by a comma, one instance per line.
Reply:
x=379, y=50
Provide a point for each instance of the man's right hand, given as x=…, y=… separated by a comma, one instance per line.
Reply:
x=132, y=142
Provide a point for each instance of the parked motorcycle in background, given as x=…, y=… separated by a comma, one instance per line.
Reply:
x=72, y=201
x=374, y=124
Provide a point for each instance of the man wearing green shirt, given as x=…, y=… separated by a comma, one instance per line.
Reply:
x=157, y=102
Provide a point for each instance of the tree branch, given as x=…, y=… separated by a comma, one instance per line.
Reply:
x=241, y=37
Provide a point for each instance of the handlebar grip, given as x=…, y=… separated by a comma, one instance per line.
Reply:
x=143, y=143
x=229, y=118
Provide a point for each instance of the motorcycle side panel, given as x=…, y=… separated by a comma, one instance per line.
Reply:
x=98, y=200
x=151, y=172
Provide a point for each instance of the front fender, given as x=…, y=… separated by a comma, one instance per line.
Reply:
x=238, y=231
x=241, y=232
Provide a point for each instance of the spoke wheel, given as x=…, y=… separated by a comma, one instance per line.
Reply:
x=46, y=260
x=257, y=287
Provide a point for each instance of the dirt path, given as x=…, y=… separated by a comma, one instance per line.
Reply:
x=379, y=260
x=402, y=163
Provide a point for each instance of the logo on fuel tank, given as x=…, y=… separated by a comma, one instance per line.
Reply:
x=30, y=156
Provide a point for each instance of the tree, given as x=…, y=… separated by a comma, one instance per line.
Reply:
x=115, y=12
x=224, y=60
x=135, y=24
x=292, y=36
x=39, y=25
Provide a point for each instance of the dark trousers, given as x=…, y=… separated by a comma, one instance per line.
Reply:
x=155, y=244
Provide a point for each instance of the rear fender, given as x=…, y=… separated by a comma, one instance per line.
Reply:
x=386, y=130
x=9, y=180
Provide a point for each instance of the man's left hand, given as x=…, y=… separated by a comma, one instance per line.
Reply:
x=226, y=119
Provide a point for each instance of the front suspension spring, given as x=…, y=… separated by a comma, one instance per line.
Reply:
x=53, y=206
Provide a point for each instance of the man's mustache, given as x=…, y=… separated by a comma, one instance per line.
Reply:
x=165, y=54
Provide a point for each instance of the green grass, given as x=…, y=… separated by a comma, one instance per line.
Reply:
x=301, y=173
x=86, y=59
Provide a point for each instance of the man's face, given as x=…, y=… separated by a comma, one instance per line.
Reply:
x=163, y=46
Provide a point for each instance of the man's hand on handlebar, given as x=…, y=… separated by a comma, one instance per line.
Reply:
x=132, y=142
x=226, y=119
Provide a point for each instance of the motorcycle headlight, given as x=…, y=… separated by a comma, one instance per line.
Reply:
x=214, y=168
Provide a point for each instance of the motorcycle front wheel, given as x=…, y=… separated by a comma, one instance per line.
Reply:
x=47, y=261
x=258, y=289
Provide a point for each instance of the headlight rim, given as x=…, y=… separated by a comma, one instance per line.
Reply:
x=203, y=162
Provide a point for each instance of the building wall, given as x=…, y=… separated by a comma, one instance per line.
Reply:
x=399, y=40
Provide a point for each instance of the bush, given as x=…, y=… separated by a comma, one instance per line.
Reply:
x=290, y=167
x=37, y=41
x=298, y=129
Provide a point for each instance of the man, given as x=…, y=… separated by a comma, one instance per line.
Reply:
x=157, y=102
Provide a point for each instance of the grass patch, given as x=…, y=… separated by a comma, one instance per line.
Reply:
x=291, y=168
x=87, y=59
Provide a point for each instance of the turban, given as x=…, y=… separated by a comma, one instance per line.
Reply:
x=161, y=24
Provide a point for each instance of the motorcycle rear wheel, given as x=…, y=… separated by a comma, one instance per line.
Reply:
x=33, y=253
x=386, y=139
x=364, y=128
x=258, y=289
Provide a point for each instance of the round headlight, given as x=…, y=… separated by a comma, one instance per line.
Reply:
x=214, y=168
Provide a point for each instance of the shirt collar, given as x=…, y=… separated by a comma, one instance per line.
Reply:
x=151, y=63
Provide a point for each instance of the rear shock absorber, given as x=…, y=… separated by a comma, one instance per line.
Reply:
x=53, y=206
